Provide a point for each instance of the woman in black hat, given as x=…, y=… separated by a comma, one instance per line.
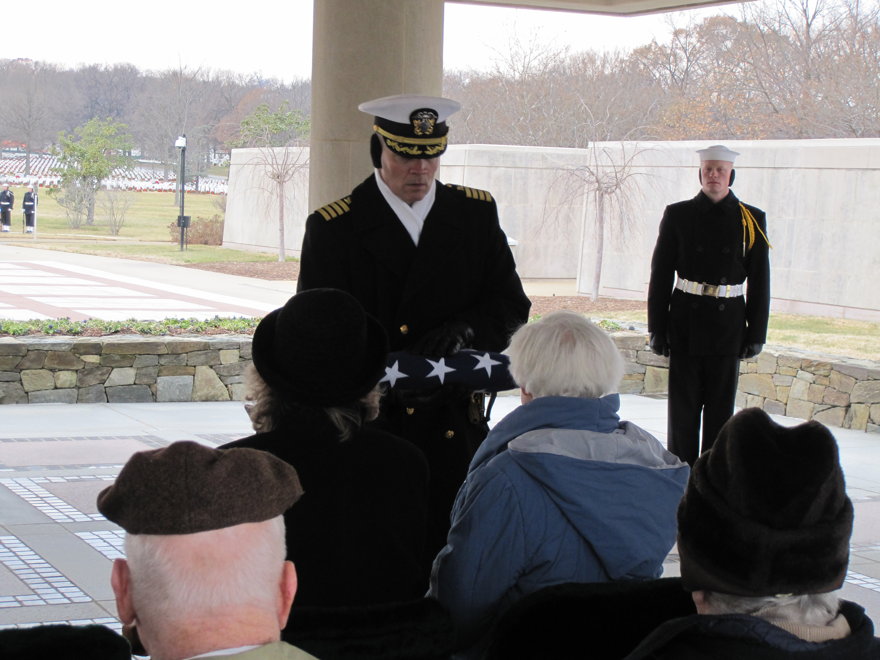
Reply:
x=357, y=535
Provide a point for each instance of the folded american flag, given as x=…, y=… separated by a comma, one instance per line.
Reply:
x=477, y=370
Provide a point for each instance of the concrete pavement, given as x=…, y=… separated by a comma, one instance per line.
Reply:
x=46, y=284
x=40, y=284
x=56, y=549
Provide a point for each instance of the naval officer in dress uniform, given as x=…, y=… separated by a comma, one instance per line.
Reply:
x=7, y=203
x=431, y=262
x=708, y=301
x=29, y=208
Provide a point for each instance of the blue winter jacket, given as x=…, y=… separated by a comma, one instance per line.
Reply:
x=560, y=491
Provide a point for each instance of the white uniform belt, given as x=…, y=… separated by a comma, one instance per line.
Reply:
x=714, y=290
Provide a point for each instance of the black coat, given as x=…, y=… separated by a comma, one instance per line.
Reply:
x=357, y=535
x=29, y=203
x=7, y=200
x=738, y=636
x=462, y=269
x=703, y=242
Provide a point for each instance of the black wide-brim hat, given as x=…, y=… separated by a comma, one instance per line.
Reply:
x=765, y=512
x=320, y=349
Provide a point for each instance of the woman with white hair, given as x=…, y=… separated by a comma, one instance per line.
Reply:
x=561, y=490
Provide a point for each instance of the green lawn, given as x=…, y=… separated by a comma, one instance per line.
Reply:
x=855, y=339
x=147, y=218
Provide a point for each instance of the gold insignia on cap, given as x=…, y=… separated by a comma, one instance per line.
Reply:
x=423, y=121
x=404, y=329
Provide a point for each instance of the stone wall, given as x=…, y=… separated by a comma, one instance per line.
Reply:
x=132, y=369
x=834, y=391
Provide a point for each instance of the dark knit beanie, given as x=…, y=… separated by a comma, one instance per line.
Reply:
x=765, y=512
x=320, y=349
x=186, y=488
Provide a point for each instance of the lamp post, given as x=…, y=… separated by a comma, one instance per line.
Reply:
x=182, y=220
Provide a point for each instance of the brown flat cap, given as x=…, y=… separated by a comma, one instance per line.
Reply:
x=186, y=488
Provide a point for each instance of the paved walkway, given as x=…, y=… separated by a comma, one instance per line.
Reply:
x=56, y=549
x=45, y=284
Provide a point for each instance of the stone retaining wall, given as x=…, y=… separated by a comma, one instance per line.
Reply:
x=835, y=391
x=131, y=369
x=832, y=390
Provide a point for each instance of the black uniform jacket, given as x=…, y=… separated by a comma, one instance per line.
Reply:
x=703, y=242
x=462, y=269
x=357, y=535
x=29, y=203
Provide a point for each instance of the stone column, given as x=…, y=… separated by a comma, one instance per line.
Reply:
x=365, y=49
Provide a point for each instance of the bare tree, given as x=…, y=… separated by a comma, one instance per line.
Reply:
x=606, y=178
x=26, y=111
x=280, y=138
x=115, y=204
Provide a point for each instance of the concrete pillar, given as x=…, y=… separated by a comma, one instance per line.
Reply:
x=364, y=49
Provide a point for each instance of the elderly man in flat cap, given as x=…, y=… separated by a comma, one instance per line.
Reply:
x=204, y=573
x=763, y=536
x=431, y=263
x=700, y=313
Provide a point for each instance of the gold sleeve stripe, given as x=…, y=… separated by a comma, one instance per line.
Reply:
x=474, y=193
x=335, y=209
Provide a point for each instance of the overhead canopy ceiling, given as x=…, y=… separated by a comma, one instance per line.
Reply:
x=612, y=7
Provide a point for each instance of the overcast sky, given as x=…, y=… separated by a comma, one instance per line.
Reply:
x=274, y=38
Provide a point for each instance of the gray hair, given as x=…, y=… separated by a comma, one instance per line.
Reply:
x=564, y=354
x=267, y=408
x=174, y=575
x=808, y=609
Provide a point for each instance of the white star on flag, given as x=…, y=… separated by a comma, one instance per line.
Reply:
x=486, y=362
x=440, y=369
x=393, y=374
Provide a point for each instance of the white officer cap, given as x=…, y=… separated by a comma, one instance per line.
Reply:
x=400, y=107
x=411, y=125
x=718, y=152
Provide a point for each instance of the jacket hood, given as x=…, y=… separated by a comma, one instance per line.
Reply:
x=613, y=482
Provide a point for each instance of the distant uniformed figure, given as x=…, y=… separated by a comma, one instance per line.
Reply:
x=29, y=208
x=432, y=263
x=708, y=301
x=7, y=202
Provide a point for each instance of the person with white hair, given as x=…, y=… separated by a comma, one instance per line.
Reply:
x=205, y=570
x=763, y=536
x=561, y=490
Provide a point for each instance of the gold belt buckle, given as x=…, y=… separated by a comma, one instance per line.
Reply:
x=710, y=290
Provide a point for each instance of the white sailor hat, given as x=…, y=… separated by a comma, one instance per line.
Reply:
x=412, y=125
x=718, y=152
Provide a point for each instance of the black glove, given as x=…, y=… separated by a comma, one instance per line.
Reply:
x=444, y=341
x=658, y=345
x=750, y=350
